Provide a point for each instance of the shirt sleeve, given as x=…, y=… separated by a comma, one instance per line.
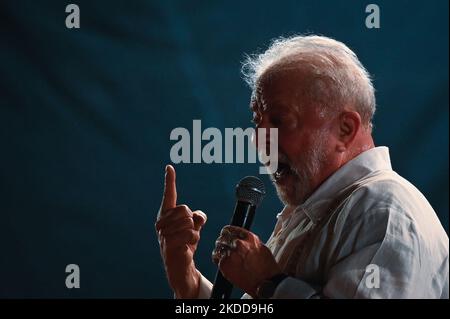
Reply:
x=293, y=288
x=378, y=257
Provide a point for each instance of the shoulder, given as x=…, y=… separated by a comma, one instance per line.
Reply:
x=390, y=208
x=388, y=192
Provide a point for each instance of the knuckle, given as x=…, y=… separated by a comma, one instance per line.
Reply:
x=225, y=230
x=189, y=222
x=196, y=238
x=256, y=240
x=186, y=220
x=240, y=244
x=202, y=214
x=183, y=209
x=192, y=237
x=194, y=234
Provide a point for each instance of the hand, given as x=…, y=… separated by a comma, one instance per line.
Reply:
x=178, y=229
x=243, y=259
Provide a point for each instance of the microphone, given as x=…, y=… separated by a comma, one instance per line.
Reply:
x=249, y=193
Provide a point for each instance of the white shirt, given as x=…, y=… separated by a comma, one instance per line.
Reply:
x=383, y=241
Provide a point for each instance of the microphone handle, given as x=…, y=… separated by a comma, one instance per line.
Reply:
x=242, y=217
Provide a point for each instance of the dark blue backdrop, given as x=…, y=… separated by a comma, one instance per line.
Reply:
x=85, y=117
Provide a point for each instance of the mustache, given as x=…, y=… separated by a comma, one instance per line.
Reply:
x=282, y=158
x=285, y=166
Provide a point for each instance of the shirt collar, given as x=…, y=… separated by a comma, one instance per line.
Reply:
x=374, y=159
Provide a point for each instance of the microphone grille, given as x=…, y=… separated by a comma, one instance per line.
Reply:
x=250, y=189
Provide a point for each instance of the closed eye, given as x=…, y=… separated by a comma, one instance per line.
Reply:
x=276, y=121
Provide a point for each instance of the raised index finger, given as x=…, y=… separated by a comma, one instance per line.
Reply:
x=169, y=199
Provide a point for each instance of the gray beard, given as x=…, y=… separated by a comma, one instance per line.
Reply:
x=310, y=166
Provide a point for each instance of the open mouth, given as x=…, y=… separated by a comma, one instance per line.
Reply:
x=283, y=170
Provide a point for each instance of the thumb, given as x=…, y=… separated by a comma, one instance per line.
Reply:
x=169, y=199
x=199, y=218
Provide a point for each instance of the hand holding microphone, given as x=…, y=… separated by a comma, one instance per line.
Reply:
x=242, y=258
x=246, y=261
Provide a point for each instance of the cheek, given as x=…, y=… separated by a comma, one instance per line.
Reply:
x=293, y=144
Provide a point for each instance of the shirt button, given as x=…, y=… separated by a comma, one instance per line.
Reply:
x=280, y=241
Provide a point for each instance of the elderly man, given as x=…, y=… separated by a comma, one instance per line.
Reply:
x=351, y=227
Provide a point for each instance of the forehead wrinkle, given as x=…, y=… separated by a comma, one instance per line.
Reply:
x=276, y=104
x=299, y=100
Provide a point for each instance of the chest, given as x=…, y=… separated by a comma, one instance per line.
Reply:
x=304, y=249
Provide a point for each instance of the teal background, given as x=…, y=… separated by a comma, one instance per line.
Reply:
x=85, y=118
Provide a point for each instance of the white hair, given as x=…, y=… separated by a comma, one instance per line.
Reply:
x=338, y=77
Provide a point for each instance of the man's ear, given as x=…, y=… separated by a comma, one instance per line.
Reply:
x=349, y=123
